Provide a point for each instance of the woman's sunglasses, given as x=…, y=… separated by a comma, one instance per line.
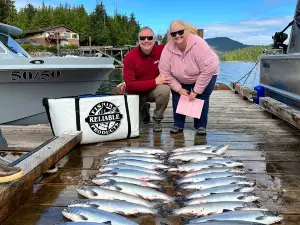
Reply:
x=142, y=38
x=179, y=32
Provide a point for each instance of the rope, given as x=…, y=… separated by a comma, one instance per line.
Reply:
x=249, y=73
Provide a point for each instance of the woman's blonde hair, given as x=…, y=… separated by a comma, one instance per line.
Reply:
x=190, y=28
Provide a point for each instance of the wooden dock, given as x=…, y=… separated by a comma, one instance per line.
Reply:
x=268, y=147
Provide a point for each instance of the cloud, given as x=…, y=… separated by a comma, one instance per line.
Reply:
x=252, y=31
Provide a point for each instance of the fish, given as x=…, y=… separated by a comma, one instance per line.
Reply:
x=226, y=222
x=191, y=148
x=214, y=170
x=222, y=197
x=193, y=157
x=78, y=214
x=212, y=208
x=92, y=192
x=220, y=189
x=212, y=151
x=215, y=182
x=226, y=162
x=192, y=167
x=204, y=148
x=263, y=217
x=207, y=176
x=105, y=179
x=114, y=206
x=211, y=163
x=144, y=159
x=124, y=166
x=132, y=162
x=138, y=191
x=83, y=223
x=142, y=150
x=134, y=154
x=135, y=174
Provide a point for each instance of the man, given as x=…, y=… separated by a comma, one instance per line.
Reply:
x=142, y=77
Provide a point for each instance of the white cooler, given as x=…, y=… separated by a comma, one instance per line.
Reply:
x=100, y=118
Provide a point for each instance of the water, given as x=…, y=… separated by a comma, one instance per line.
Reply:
x=229, y=72
x=234, y=71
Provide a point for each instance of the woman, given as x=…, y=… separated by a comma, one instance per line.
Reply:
x=191, y=68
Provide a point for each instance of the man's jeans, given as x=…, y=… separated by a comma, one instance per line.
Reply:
x=179, y=119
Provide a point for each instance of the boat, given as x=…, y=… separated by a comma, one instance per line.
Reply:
x=25, y=80
x=280, y=73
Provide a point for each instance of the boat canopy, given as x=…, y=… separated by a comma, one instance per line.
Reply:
x=10, y=30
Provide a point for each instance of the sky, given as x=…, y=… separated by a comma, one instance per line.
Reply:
x=252, y=22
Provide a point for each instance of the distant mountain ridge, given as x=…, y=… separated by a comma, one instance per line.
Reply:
x=225, y=44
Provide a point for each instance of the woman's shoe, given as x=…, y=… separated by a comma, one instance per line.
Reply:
x=8, y=173
x=201, y=131
x=176, y=130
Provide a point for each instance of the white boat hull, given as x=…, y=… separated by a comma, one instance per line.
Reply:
x=22, y=90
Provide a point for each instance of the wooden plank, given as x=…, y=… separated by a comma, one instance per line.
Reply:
x=283, y=111
x=269, y=176
x=239, y=154
x=30, y=215
x=245, y=91
x=26, y=137
x=268, y=147
x=35, y=165
x=62, y=195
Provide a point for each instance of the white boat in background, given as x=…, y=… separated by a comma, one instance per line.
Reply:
x=25, y=81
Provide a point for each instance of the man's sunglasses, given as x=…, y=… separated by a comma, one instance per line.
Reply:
x=179, y=32
x=142, y=38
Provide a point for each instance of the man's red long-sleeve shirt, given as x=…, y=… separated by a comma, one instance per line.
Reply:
x=140, y=70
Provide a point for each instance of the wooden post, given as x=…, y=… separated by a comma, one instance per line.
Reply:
x=90, y=44
x=57, y=43
x=200, y=32
x=3, y=142
x=122, y=56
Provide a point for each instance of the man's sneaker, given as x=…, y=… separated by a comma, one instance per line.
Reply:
x=157, y=125
x=146, y=113
x=175, y=130
x=201, y=131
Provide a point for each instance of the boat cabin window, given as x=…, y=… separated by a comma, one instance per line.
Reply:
x=12, y=45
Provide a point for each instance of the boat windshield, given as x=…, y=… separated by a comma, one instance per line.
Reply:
x=12, y=45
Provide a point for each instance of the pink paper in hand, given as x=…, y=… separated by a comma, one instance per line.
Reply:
x=190, y=108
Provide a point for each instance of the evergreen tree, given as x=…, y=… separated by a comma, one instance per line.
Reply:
x=6, y=8
x=98, y=21
x=103, y=29
x=42, y=18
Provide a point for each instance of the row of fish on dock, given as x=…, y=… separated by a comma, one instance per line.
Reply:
x=219, y=191
x=130, y=183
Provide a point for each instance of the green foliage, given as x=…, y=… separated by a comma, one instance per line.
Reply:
x=50, y=48
x=103, y=29
x=246, y=54
x=7, y=8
